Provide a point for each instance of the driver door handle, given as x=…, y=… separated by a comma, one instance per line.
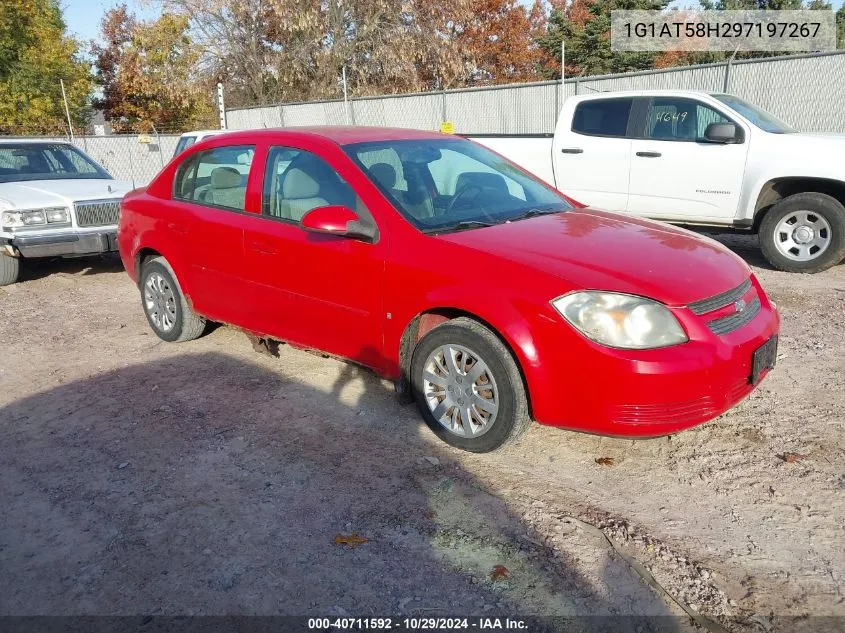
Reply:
x=571, y=150
x=649, y=154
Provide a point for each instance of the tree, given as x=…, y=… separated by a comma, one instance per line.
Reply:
x=584, y=25
x=288, y=50
x=840, y=27
x=35, y=54
x=148, y=74
x=497, y=41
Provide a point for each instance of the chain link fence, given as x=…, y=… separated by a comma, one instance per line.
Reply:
x=807, y=91
x=124, y=156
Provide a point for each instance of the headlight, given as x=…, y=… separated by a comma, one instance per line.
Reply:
x=619, y=320
x=35, y=218
x=57, y=215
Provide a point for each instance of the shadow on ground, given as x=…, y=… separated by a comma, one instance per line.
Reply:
x=32, y=269
x=203, y=484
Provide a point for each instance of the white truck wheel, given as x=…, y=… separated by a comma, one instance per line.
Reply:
x=804, y=233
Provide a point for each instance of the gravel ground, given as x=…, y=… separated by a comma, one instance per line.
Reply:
x=141, y=477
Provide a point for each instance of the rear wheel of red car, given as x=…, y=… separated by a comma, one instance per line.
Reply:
x=168, y=314
x=468, y=387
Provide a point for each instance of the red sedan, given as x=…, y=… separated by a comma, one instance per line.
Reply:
x=485, y=294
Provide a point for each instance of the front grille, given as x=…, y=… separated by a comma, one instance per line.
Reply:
x=97, y=212
x=735, y=321
x=721, y=300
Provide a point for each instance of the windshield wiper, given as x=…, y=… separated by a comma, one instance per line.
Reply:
x=532, y=213
x=458, y=226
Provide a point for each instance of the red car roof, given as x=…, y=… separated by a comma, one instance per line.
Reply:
x=342, y=134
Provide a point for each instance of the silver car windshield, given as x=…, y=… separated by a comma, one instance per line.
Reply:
x=46, y=161
x=447, y=184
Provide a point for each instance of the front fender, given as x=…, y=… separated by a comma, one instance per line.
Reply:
x=751, y=194
x=512, y=320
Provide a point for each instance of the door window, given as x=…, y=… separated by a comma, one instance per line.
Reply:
x=602, y=117
x=216, y=177
x=296, y=181
x=672, y=119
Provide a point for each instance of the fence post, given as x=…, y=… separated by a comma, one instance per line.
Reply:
x=577, y=86
x=727, y=84
x=557, y=97
x=442, y=105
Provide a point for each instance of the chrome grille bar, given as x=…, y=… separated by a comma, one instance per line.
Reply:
x=97, y=212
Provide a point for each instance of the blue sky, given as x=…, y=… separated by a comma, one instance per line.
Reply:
x=83, y=16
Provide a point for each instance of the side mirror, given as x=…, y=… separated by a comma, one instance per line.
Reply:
x=722, y=133
x=337, y=220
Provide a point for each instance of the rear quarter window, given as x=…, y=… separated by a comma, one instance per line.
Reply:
x=215, y=177
x=602, y=117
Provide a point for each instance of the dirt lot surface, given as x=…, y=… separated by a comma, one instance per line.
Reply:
x=141, y=477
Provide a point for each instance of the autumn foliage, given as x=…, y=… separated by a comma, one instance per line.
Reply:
x=160, y=75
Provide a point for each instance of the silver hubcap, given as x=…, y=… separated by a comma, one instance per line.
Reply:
x=460, y=390
x=160, y=302
x=802, y=236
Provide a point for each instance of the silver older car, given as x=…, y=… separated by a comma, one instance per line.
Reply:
x=55, y=201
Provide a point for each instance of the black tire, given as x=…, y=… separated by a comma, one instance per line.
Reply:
x=10, y=269
x=820, y=205
x=187, y=324
x=512, y=416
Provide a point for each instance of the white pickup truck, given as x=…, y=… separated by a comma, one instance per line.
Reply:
x=696, y=158
x=55, y=201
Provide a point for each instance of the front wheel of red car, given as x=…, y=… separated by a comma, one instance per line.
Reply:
x=167, y=311
x=468, y=386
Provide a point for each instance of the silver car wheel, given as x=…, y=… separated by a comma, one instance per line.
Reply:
x=160, y=302
x=460, y=391
x=802, y=235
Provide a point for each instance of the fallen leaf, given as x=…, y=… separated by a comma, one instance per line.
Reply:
x=605, y=461
x=352, y=541
x=791, y=458
x=500, y=572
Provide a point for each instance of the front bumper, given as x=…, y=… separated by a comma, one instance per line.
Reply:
x=64, y=244
x=649, y=393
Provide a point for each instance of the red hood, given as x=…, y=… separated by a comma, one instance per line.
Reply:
x=606, y=251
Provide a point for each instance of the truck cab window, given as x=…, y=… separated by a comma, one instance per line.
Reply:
x=602, y=117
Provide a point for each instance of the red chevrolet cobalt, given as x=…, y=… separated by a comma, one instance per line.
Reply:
x=489, y=297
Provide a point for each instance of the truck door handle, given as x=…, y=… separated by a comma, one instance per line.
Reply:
x=571, y=150
x=649, y=154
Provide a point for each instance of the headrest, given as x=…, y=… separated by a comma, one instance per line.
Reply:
x=385, y=174
x=298, y=184
x=481, y=179
x=225, y=178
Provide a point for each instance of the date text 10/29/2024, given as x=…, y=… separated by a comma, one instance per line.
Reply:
x=416, y=624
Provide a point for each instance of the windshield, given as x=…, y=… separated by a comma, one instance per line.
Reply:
x=762, y=119
x=184, y=143
x=449, y=184
x=46, y=161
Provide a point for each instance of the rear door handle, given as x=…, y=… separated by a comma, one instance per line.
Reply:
x=571, y=150
x=649, y=154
